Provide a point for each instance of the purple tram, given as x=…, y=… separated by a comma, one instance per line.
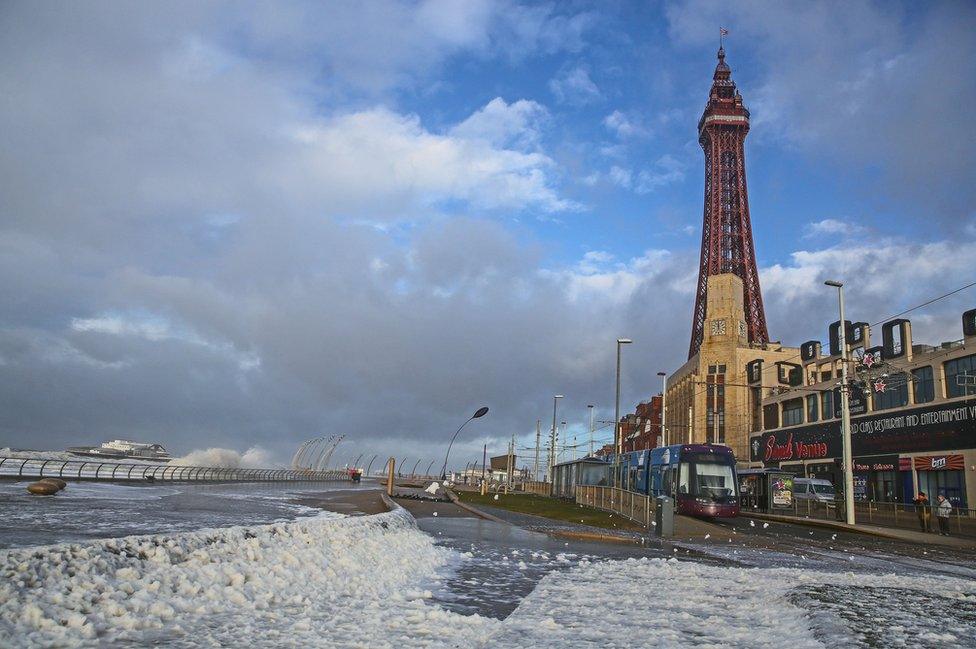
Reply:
x=700, y=478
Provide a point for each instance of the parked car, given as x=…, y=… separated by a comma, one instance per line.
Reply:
x=816, y=489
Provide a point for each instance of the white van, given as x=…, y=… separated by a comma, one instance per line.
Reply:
x=813, y=489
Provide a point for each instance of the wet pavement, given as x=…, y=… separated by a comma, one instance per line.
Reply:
x=749, y=541
x=500, y=563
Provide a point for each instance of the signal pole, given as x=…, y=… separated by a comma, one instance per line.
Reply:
x=591, y=429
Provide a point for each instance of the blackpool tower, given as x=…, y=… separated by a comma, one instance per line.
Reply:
x=727, y=245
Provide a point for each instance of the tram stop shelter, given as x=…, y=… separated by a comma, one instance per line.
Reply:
x=589, y=471
x=766, y=490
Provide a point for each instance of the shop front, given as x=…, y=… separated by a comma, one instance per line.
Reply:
x=942, y=474
x=879, y=477
x=895, y=454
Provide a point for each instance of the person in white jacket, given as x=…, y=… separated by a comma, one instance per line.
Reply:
x=945, y=508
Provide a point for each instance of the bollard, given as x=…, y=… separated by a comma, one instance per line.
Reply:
x=664, y=517
x=390, y=465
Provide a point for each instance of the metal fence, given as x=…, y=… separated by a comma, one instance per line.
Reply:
x=16, y=467
x=907, y=516
x=637, y=507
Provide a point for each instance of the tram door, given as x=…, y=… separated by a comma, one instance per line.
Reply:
x=667, y=481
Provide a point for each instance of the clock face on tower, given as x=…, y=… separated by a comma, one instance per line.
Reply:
x=718, y=327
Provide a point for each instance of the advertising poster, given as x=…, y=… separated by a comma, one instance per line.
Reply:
x=782, y=491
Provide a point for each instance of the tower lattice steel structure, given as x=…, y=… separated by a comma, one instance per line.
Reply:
x=727, y=245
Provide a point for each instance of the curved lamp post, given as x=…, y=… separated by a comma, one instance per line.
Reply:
x=370, y=464
x=480, y=412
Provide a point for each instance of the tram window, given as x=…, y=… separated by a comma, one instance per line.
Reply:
x=713, y=480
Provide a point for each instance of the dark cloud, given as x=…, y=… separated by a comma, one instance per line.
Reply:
x=193, y=251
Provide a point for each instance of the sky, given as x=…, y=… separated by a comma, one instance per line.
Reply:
x=243, y=225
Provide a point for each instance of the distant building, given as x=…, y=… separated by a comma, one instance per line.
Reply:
x=502, y=462
x=644, y=431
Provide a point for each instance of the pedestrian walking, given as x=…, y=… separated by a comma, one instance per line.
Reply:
x=924, y=511
x=945, y=508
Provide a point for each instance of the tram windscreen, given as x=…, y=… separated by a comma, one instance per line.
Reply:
x=706, y=476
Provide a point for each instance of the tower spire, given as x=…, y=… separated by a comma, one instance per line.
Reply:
x=727, y=245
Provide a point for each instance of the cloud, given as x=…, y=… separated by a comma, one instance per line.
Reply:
x=218, y=231
x=574, y=86
x=624, y=126
x=830, y=227
x=666, y=170
x=880, y=278
x=517, y=125
x=619, y=177
x=365, y=160
x=599, y=276
x=864, y=87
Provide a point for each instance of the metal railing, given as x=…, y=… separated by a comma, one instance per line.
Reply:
x=906, y=516
x=17, y=467
x=634, y=506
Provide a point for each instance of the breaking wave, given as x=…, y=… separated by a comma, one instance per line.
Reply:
x=324, y=581
x=225, y=458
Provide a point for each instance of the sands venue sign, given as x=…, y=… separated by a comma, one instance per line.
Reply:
x=935, y=428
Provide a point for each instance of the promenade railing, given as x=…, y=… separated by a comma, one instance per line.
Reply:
x=17, y=467
x=634, y=506
x=884, y=514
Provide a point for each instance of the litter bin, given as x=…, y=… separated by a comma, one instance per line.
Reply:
x=663, y=517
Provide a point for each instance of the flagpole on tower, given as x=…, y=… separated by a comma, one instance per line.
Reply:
x=722, y=32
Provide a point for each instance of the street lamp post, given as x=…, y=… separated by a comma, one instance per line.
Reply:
x=845, y=410
x=618, y=442
x=480, y=412
x=552, y=441
x=664, y=407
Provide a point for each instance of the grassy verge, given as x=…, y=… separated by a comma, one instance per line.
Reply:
x=555, y=508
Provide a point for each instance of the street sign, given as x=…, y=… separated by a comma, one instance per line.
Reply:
x=856, y=400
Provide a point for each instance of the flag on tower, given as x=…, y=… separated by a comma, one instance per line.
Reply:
x=723, y=31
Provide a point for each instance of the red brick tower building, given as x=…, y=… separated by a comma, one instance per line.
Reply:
x=727, y=245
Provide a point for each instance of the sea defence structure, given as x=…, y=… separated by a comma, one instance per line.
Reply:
x=105, y=471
